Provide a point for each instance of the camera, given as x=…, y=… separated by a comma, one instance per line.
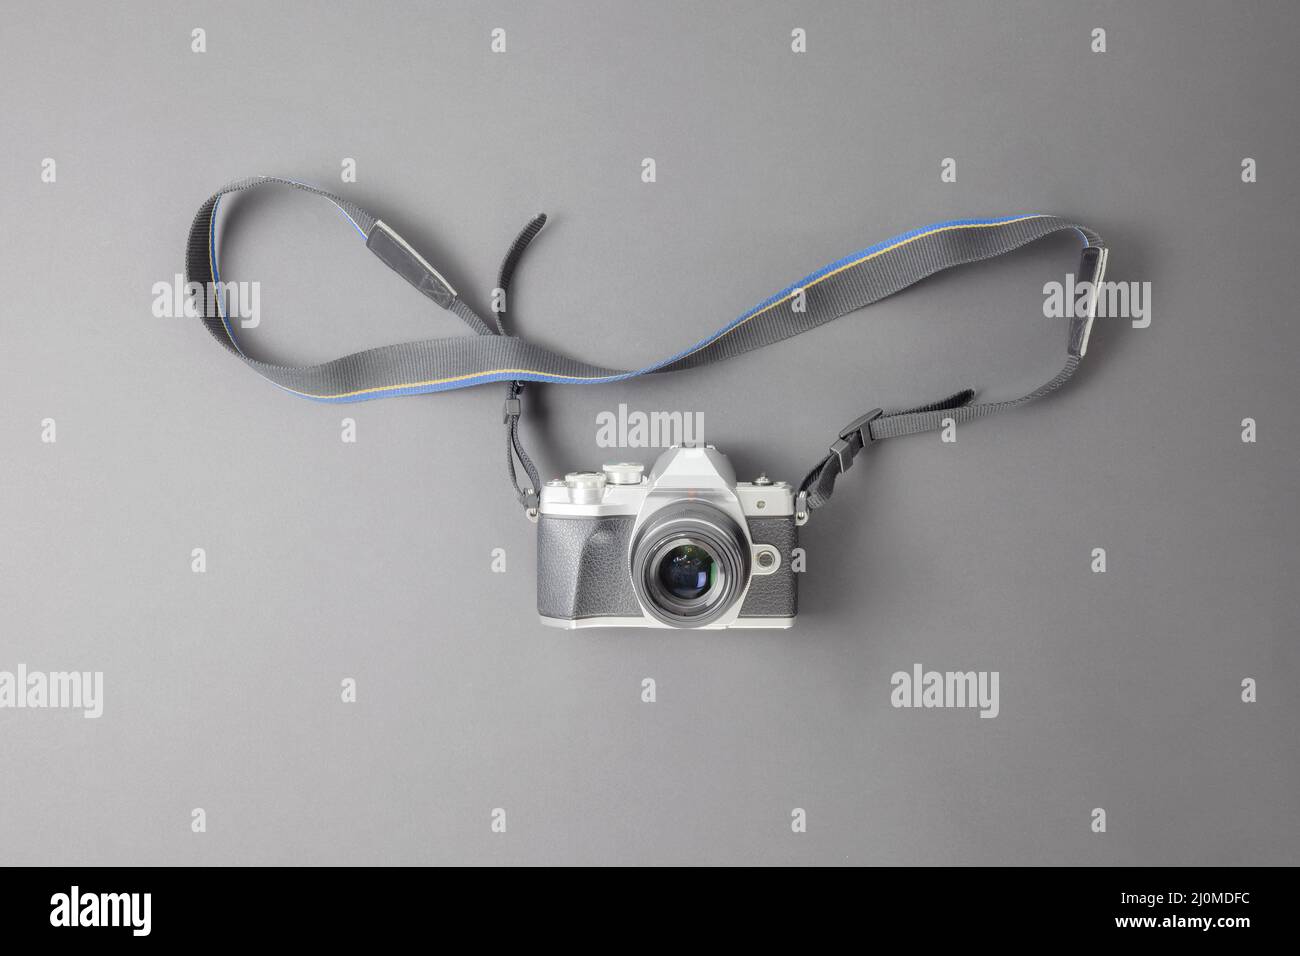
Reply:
x=686, y=546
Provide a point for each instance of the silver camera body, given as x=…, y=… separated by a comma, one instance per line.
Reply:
x=686, y=546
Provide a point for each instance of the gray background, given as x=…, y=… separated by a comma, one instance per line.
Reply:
x=371, y=560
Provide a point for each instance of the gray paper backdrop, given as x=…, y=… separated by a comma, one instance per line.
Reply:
x=372, y=560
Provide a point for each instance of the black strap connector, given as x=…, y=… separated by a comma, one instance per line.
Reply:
x=854, y=437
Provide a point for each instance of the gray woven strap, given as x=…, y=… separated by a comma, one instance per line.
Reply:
x=492, y=355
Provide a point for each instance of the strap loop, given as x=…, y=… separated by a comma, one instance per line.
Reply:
x=528, y=496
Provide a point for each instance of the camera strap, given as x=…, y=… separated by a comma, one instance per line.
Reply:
x=493, y=355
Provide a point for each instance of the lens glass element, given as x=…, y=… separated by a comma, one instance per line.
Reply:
x=687, y=572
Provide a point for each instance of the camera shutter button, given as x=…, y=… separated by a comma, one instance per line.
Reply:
x=623, y=473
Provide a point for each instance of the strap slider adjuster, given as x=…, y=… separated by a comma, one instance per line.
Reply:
x=513, y=409
x=845, y=448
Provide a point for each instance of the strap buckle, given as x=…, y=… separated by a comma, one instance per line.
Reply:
x=844, y=449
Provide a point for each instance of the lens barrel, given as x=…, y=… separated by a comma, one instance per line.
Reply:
x=690, y=564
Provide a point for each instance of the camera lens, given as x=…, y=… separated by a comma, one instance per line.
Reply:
x=688, y=571
x=690, y=564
